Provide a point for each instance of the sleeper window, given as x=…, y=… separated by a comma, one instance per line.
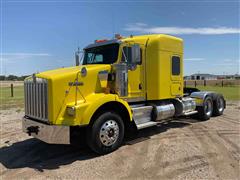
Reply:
x=175, y=65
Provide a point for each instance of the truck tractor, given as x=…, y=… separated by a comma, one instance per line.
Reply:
x=118, y=84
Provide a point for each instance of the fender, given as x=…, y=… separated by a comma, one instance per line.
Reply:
x=201, y=95
x=95, y=101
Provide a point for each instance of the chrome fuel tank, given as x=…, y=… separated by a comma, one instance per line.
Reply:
x=164, y=111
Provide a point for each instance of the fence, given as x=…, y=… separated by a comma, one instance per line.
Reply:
x=10, y=86
x=219, y=82
x=187, y=83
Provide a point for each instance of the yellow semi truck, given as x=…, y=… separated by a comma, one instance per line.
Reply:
x=123, y=83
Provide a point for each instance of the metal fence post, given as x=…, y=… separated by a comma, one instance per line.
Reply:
x=195, y=83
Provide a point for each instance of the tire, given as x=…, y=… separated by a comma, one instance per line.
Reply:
x=218, y=106
x=205, y=111
x=106, y=133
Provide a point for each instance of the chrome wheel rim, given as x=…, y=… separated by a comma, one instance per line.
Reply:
x=109, y=132
x=208, y=108
x=220, y=104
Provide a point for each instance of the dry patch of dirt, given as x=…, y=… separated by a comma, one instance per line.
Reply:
x=180, y=149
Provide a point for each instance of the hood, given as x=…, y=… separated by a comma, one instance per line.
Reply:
x=62, y=91
x=70, y=71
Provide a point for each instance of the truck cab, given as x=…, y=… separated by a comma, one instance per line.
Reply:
x=123, y=83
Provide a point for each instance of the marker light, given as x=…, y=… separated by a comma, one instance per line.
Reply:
x=100, y=40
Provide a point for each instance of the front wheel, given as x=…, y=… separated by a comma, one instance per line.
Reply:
x=106, y=133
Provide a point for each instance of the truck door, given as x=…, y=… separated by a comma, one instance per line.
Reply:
x=136, y=87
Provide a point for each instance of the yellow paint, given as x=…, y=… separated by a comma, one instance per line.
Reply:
x=84, y=111
x=156, y=63
x=153, y=75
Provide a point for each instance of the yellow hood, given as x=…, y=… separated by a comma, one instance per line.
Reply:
x=60, y=92
x=69, y=71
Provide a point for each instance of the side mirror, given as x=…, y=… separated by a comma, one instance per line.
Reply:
x=136, y=54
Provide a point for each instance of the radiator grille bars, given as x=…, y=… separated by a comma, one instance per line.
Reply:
x=36, y=98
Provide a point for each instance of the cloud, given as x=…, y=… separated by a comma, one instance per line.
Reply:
x=25, y=54
x=21, y=56
x=141, y=24
x=231, y=60
x=225, y=64
x=144, y=28
x=194, y=59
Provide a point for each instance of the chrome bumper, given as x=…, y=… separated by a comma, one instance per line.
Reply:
x=48, y=133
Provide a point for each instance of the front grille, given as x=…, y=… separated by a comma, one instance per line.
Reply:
x=36, y=98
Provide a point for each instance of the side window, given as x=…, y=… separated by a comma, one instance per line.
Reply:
x=128, y=53
x=175, y=65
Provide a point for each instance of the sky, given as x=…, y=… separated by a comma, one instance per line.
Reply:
x=38, y=35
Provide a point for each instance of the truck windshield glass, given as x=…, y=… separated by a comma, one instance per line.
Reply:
x=106, y=54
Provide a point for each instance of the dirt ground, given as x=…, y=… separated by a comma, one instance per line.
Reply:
x=181, y=149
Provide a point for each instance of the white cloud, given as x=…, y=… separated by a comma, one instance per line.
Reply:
x=227, y=60
x=140, y=24
x=194, y=59
x=25, y=54
x=144, y=28
x=20, y=56
x=226, y=64
x=231, y=60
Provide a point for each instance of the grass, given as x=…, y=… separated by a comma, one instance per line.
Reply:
x=6, y=101
x=229, y=92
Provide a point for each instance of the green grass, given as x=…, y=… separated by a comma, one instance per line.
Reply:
x=229, y=92
x=6, y=101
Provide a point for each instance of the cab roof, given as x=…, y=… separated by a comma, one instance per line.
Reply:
x=158, y=41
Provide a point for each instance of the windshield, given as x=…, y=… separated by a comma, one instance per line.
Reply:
x=106, y=54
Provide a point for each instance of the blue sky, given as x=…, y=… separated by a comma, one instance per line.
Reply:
x=41, y=35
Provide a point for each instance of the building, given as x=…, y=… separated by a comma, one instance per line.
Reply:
x=201, y=77
x=210, y=77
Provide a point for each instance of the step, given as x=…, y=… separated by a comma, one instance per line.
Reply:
x=147, y=124
x=142, y=114
x=190, y=113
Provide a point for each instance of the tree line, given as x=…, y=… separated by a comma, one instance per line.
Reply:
x=12, y=78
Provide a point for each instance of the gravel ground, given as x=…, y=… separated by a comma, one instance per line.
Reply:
x=182, y=149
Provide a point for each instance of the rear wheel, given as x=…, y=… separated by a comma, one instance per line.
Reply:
x=205, y=111
x=218, y=106
x=106, y=134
